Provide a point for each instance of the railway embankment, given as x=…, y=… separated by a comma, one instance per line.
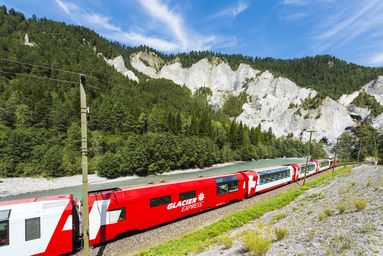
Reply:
x=339, y=217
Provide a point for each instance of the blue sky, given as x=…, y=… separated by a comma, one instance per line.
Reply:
x=348, y=29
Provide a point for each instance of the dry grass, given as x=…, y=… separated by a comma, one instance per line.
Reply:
x=277, y=217
x=328, y=212
x=225, y=240
x=281, y=233
x=256, y=243
x=359, y=203
x=341, y=206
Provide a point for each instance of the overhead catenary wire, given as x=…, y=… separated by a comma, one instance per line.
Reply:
x=46, y=78
x=53, y=69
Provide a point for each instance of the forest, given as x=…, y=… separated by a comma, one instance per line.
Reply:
x=134, y=128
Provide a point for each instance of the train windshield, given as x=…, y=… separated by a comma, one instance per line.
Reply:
x=4, y=227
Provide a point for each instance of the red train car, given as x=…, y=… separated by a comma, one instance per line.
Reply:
x=38, y=226
x=117, y=211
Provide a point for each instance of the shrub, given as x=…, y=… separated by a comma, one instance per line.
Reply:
x=359, y=203
x=281, y=233
x=341, y=206
x=256, y=243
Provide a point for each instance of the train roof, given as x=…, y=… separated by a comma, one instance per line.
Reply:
x=161, y=183
x=36, y=199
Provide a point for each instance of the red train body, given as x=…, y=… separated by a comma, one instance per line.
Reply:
x=49, y=225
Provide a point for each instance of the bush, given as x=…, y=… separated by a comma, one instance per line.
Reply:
x=109, y=166
x=275, y=218
x=281, y=233
x=359, y=203
x=341, y=206
x=256, y=243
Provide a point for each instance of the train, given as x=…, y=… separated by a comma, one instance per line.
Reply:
x=51, y=225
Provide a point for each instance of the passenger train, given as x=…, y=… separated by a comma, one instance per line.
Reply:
x=51, y=225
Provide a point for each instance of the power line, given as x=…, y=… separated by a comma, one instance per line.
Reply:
x=47, y=78
x=37, y=77
x=53, y=69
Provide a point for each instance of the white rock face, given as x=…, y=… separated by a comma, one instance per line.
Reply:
x=216, y=75
x=27, y=42
x=375, y=88
x=347, y=99
x=275, y=102
x=377, y=123
x=119, y=64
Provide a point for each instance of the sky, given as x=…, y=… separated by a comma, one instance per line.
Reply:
x=348, y=29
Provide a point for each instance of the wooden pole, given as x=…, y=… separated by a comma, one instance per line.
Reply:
x=307, y=157
x=84, y=166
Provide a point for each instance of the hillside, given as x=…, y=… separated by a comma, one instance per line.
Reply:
x=135, y=128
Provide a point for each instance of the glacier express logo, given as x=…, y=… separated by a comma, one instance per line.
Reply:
x=188, y=204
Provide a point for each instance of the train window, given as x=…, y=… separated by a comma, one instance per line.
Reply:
x=226, y=185
x=232, y=183
x=187, y=195
x=4, y=233
x=32, y=229
x=160, y=201
x=122, y=213
x=324, y=163
x=4, y=227
x=269, y=176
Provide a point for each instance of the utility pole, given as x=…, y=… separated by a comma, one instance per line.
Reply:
x=360, y=146
x=307, y=157
x=336, y=147
x=84, y=166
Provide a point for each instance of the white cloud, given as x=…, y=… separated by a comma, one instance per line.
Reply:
x=232, y=11
x=375, y=60
x=168, y=32
x=353, y=26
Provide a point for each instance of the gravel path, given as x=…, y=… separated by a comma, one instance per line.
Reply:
x=313, y=232
x=134, y=243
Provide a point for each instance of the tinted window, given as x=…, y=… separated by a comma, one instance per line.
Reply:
x=122, y=211
x=272, y=175
x=4, y=233
x=226, y=185
x=187, y=195
x=32, y=229
x=160, y=201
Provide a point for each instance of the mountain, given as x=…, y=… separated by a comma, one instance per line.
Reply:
x=273, y=102
x=151, y=112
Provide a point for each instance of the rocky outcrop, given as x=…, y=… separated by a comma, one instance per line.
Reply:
x=375, y=88
x=27, y=42
x=273, y=102
x=213, y=74
x=119, y=64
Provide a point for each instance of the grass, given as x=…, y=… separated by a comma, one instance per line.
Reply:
x=367, y=228
x=359, y=203
x=281, y=233
x=311, y=234
x=258, y=244
x=327, y=212
x=277, y=217
x=207, y=235
x=341, y=206
x=225, y=240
